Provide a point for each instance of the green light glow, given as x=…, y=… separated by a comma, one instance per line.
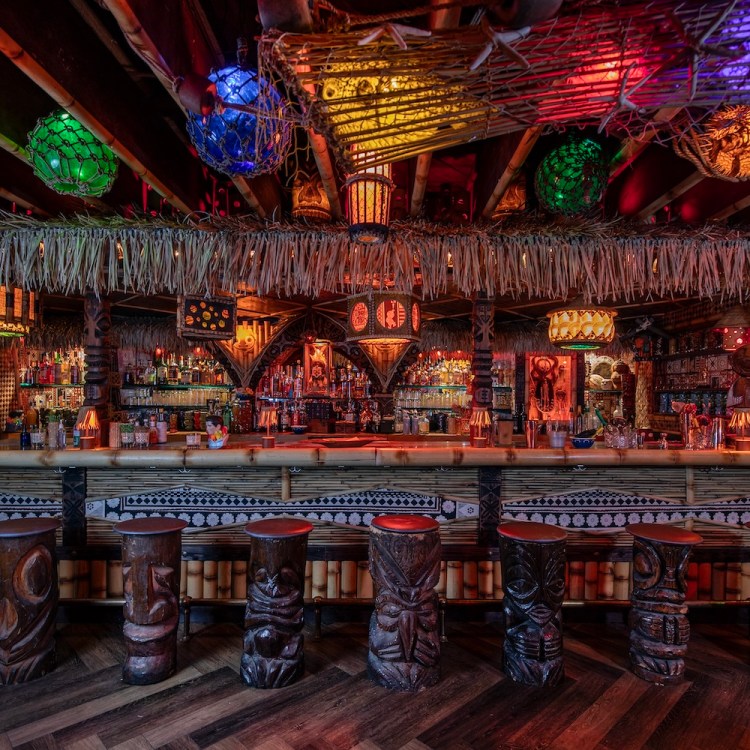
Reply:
x=70, y=159
x=572, y=177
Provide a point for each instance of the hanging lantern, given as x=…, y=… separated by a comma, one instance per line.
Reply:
x=369, y=204
x=309, y=199
x=70, y=159
x=734, y=326
x=383, y=317
x=581, y=327
x=721, y=148
x=17, y=311
x=246, y=133
x=572, y=177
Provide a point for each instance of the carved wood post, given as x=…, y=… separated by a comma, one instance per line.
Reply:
x=28, y=598
x=151, y=550
x=405, y=566
x=483, y=328
x=533, y=570
x=97, y=323
x=274, y=644
x=659, y=627
x=74, y=507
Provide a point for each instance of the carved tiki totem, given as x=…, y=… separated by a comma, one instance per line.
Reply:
x=533, y=570
x=659, y=627
x=28, y=598
x=405, y=566
x=274, y=644
x=151, y=550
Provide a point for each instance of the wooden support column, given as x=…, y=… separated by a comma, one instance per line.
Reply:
x=490, y=485
x=483, y=329
x=97, y=322
x=74, y=507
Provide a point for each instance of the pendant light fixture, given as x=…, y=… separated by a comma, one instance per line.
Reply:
x=581, y=327
x=369, y=204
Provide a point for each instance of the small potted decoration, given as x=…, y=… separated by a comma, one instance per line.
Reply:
x=218, y=435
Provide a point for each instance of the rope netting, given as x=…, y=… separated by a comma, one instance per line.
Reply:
x=385, y=94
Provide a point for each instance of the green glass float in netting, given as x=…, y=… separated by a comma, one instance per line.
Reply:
x=70, y=159
x=571, y=178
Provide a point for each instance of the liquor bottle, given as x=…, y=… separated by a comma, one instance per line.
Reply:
x=24, y=439
x=161, y=372
x=186, y=373
x=173, y=371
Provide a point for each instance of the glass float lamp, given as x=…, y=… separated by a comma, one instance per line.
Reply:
x=69, y=159
x=245, y=133
x=733, y=327
x=571, y=178
x=581, y=327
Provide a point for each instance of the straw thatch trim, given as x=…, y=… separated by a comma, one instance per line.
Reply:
x=528, y=258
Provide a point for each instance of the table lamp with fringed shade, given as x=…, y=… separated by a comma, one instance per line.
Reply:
x=734, y=326
x=581, y=327
x=69, y=158
x=268, y=418
x=18, y=314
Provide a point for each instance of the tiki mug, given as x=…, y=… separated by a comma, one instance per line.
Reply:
x=274, y=644
x=28, y=598
x=405, y=566
x=151, y=550
x=659, y=627
x=533, y=570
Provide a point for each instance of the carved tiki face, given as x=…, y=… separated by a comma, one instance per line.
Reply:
x=161, y=587
x=660, y=573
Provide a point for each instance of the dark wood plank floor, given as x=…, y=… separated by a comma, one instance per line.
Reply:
x=84, y=705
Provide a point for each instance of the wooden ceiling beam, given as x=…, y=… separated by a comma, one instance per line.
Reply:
x=441, y=18
x=730, y=210
x=679, y=189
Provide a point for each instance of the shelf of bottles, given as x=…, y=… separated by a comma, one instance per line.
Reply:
x=52, y=380
x=344, y=401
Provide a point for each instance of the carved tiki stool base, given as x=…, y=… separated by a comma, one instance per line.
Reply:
x=274, y=644
x=405, y=566
x=659, y=627
x=533, y=570
x=151, y=551
x=28, y=598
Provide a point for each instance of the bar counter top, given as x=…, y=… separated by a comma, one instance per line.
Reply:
x=308, y=452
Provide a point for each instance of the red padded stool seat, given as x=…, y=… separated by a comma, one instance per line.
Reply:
x=532, y=557
x=273, y=646
x=659, y=627
x=29, y=594
x=405, y=524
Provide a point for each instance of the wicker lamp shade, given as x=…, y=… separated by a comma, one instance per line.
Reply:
x=70, y=159
x=369, y=204
x=571, y=178
x=17, y=311
x=383, y=317
x=581, y=328
x=246, y=133
x=721, y=148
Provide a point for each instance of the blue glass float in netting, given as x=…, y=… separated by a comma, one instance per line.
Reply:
x=237, y=142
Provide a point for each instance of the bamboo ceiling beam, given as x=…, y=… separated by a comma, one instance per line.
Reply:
x=47, y=81
x=523, y=149
x=139, y=38
x=734, y=208
x=22, y=202
x=631, y=148
x=441, y=18
x=679, y=189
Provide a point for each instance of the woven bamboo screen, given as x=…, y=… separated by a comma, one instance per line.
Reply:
x=610, y=65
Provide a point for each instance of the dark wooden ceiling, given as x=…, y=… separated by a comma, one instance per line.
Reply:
x=80, y=54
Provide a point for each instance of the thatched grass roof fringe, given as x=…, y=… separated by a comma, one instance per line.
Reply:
x=542, y=262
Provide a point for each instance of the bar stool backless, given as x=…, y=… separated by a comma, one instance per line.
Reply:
x=28, y=598
x=533, y=570
x=405, y=565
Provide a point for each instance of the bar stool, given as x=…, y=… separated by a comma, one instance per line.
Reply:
x=151, y=551
x=274, y=643
x=533, y=570
x=659, y=627
x=28, y=598
x=404, y=649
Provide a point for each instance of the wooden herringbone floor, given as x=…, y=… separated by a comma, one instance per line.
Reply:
x=84, y=705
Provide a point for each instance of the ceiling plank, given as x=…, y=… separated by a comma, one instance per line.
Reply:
x=523, y=149
x=679, y=189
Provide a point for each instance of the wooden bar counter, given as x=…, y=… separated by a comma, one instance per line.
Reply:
x=592, y=493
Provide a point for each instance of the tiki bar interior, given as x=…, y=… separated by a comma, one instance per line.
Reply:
x=375, y=375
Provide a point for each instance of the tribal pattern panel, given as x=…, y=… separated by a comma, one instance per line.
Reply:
x=22, y=506
x=203, y=508
x=604, y=509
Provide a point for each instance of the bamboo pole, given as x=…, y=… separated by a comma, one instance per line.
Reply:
x=239, y=579
x=98, y=579
x=590, y=580
x=66, y=579
x=319, y=578
x=484, y=579
x=745, y=581
x=454, y=580
x=195, y=579
x=621, y=581
x=606, y=586
x=577, y=584
x=333, y=582
x=114, y=579
x=497, y=580
x=82, y=580
x=364, y=580
x=183, y=578
x=308, y=580
x=224, y=580
x=348, y=579
x=210, y=579
x=470, y=571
